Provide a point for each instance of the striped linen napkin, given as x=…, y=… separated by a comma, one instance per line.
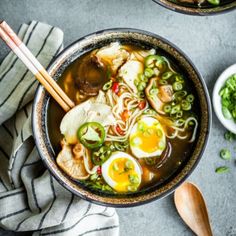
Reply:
x=30, y=198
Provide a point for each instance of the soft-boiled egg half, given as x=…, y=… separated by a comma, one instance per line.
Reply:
x=147, y=138
x=122, y=172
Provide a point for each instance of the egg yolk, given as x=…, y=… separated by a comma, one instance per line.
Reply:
x=147, y=138
x=122, y=171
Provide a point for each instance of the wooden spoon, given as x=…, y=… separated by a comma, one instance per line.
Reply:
x=192, y=208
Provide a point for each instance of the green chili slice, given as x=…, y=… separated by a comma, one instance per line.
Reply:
x=91, y=134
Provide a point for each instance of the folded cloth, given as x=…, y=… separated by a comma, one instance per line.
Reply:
x=30, y=198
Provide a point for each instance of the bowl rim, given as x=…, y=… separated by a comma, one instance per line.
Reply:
x=216, y=99
x=195, y=11
x=207, y=134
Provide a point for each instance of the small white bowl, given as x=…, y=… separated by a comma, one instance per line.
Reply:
x=216, y=99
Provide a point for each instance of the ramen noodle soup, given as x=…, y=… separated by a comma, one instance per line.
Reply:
x=134, y=123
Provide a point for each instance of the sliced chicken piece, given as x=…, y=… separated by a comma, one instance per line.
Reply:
x=154, y=99
x=140, y=55
x=85, y=112
x=130, y=71
x=72, y=161
x=111, y=56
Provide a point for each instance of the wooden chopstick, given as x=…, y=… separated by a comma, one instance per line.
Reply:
x=19, y=48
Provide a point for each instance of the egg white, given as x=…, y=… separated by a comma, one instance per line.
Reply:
x=136, y=150
x=114, y=156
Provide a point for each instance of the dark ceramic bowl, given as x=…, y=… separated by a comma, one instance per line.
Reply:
x=88, y=43
x=195, y=10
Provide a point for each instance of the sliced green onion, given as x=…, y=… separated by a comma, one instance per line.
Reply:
x=179, y=122
x=153, y=91
x=141, y=86
x=229, y=136
x=133, y=179
x=167, y=108
x=136, y=82
x=190, y=98
x=129, y=164
x=177, y=86
x=107, y=85
x=167, y=75
x=179, y=78
x=115, y=167
x=179, y=114
x=148, y=72
x=163, y=82
x=175, y=109
x=186, y=106
x=179, y=95
x=228, y=98
x=225, y=154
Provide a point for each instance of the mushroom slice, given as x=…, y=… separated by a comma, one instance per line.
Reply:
x=111, y=56
x=72, y=161
x=130, y=71
x=165, y=93
x=152, y=97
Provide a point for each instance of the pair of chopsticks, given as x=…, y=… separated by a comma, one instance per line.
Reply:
x=23, y=53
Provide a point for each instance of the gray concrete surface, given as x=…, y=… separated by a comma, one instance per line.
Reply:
x=209, y=41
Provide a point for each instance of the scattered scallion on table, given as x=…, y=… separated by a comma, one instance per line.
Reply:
x=225, y=154
x=222, y=169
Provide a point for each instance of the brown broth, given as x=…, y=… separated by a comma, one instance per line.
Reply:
x=175, y=154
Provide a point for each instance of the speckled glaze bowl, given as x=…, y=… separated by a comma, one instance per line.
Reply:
x=99, y=39
x=194, y=10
